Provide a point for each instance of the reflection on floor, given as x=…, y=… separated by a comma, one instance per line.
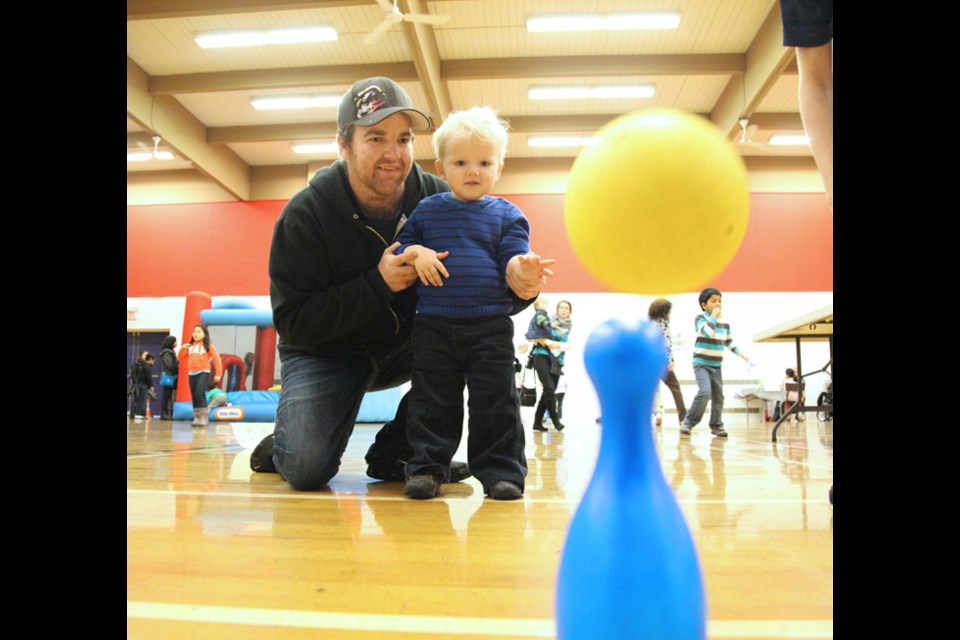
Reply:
x=217, y=551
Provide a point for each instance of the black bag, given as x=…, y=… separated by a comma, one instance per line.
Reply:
x=528, y=395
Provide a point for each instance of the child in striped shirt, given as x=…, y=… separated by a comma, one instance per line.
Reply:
x=713, y=337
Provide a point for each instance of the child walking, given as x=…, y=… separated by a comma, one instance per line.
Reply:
x=659, y=312
x=463, y=244
x=199, y=354
x=712, y=338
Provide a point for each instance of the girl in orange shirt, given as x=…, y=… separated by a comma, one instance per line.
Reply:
x=199, y=353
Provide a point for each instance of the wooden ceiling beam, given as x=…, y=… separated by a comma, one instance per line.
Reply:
x=254, y=79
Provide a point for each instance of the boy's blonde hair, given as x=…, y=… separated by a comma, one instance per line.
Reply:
x=482, y=122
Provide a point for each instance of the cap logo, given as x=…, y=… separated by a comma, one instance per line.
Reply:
x=369, y=100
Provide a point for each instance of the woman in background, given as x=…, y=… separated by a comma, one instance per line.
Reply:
x=170, y=366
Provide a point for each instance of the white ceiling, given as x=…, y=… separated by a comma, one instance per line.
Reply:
x=725, y=62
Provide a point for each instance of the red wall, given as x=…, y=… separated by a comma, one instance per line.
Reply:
x=222, y=248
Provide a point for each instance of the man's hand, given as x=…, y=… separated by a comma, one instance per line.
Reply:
x=526, y=275
x=397, y=271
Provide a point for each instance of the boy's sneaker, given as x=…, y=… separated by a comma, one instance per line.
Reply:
x=685, y=429
x=718, y=432
x=505, y=490
x=422, y=487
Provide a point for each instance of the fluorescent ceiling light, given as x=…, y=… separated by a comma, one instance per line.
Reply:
x=316, y=147
x=789, y=139
x=578, y=93
x=613, y=22
x=217, y=39
x=294, y=102
x=561, y=141
x=143, y=156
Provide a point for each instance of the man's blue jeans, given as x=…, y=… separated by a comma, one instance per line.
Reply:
x=709, y=387
x=319, y=401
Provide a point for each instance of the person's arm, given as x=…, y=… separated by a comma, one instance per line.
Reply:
x=815, y=65
x=315, y=299
x=427, y=263
x=217, y=363
x=170, y=363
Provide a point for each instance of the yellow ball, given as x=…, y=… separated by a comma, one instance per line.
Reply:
x=659, y=205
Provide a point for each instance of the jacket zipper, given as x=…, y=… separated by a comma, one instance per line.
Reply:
x=396, y=320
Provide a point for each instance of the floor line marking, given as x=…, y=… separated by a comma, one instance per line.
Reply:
x=399, y=498
x=540, y=628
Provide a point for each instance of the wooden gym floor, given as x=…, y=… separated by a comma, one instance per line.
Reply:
x=215, y=551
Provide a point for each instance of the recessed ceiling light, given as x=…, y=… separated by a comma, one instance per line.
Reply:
x=295, y=102
x=578, y=93
x=612, y=22
x=783, y=140
x=248, y=38
x=561, y=141
x=316, y=147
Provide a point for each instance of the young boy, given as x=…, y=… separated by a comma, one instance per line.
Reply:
x=713, y=337
x=463, y=332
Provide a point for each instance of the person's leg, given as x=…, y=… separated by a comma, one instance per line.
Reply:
x=218, y=401
x=808, y=27
x=548, y=398
x=495, y=441
x=816, y=107
x=198, y=389
x=695, y=412
x=716, y=402
x=391, y=366
x=673, y=384
x=139, y=405
x=435, y=414
x=166, y=402
x=319, y=401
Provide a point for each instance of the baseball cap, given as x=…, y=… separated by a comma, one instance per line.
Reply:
x=373, y=99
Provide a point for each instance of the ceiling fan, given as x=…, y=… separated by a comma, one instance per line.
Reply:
x=394, y=16
x=746, y=134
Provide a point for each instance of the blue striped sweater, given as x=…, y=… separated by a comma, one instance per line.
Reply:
x=713, y=337
x=481, y=236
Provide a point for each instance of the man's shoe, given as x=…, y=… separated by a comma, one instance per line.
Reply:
x=537, y=426
x=505, y=490
x=422, y=487
x=459, y=471
x=685, y=429
x=558, y=425
x=718, y=432
x=261, y=460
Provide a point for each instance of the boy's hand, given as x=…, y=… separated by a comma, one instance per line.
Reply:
x=527, y=274
x=429, y=266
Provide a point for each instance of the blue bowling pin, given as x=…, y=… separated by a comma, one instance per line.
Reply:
x=629, y=568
